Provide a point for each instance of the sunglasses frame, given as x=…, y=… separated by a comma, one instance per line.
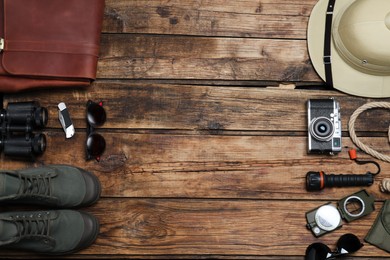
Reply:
x=91, y=133
x=341, y=250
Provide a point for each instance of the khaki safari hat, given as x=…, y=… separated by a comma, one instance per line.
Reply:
x=349, y=45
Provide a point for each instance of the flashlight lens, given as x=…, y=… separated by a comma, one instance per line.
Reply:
x=314, y=181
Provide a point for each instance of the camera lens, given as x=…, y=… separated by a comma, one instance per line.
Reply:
x=322, y=128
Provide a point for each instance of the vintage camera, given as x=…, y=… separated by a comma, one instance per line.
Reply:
x=324, y=126
x=18, y=123
x=328, y=217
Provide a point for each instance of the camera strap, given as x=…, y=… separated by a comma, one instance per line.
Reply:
x=327, y=43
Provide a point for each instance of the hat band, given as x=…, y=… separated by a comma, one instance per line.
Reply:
x=327, y=43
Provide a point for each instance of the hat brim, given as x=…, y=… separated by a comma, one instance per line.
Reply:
x=345, y=77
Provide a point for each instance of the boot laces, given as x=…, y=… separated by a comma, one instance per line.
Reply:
x=35, y=185
x=33, y=225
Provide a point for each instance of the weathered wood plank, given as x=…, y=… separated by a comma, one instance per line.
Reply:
x=218, y=166
x=158, y=57
x=168, y=256
x=242, y=18
x=212, y=227
x=205, y=171
x=215, y=110
x=207, y=166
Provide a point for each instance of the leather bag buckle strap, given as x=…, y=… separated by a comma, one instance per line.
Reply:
x=2, y=43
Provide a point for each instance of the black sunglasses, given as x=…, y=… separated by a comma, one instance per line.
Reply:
x=347, y=244
x=96, y=116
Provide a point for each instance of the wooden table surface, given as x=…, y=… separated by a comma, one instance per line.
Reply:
x=206, y=133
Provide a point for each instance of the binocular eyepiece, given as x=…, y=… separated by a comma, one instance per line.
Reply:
x=18, y=122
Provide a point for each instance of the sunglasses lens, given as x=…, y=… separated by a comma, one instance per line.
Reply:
x=96, y=114
x=317, y=251
x=348, y=243
x=95, y=145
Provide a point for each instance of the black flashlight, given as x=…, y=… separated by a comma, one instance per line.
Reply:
x=318, y=180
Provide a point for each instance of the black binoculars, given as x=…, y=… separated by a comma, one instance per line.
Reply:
x=18, y=123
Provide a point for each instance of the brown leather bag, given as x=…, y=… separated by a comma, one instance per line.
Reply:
x=49, y=43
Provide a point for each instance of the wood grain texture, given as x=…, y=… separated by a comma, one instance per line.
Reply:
x=242, y=18
x=206, y=133
x=207, y=40
x=164, y=153
x=207, y=166
x=127, y=56
x=211, y=227
x=202, y=108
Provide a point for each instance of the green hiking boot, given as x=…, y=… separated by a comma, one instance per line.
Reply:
x=54, y=232
x=53, y=185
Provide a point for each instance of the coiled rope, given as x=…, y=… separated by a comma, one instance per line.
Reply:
x=355, y=139
x=385, y=184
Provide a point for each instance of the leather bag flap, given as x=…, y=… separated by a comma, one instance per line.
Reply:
x=51, y=38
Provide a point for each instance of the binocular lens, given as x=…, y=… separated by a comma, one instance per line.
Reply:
x=96, y=114
x=25, y=147
x=41, y=117
x=24, y=114
x=18, y=122
x=95, y=145
x=39, y=144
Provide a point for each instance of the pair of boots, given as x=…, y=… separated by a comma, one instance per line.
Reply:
x=55, y=232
